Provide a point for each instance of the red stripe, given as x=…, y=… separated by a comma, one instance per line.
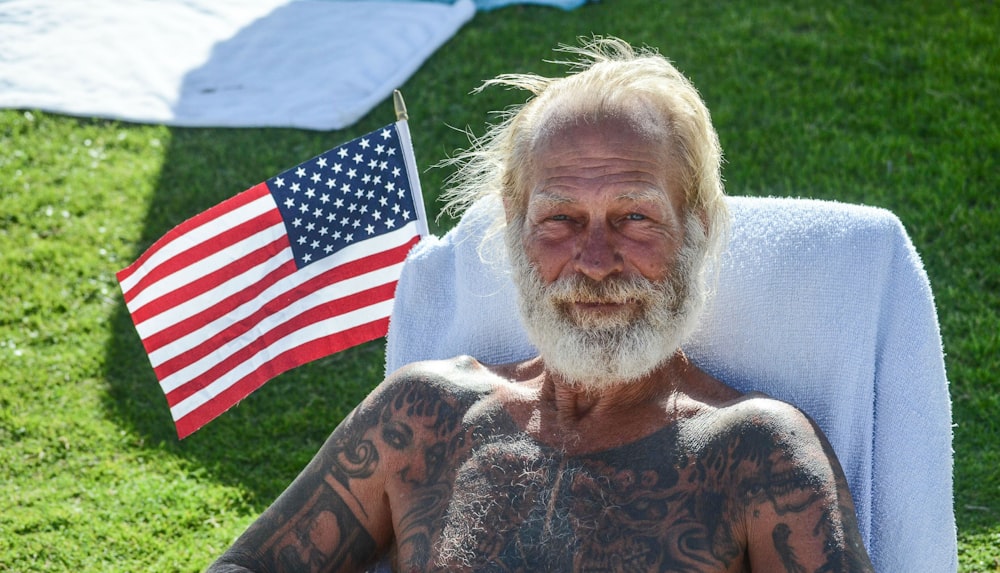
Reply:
x=216, y=278
x=184, y=327
x=206, y=249
x=220, y=369
x=235, y=202
x=242, y=388
x=223, y=307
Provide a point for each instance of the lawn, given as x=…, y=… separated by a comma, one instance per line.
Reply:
x=888, y=104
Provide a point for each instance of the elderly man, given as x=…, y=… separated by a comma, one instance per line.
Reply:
x=609, y=451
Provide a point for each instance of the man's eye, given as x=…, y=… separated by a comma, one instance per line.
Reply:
x=635, y=217
x=559, y=218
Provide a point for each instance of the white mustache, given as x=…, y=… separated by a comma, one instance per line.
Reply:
x=613, y=290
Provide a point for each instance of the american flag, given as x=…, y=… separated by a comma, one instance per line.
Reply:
x=295, y=268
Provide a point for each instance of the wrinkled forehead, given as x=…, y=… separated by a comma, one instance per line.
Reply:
x=608, y=150
x=634, y=127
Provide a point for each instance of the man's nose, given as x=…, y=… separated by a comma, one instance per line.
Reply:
x=597, y=254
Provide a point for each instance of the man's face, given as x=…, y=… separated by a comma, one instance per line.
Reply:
x=604, y=256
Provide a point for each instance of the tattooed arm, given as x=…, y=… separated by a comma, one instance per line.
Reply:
x=800, y=515
x=338, y=514
x=333, y=517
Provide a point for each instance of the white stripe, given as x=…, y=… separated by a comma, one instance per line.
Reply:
x=205, y=300
x=197, y=304
x=201, y=267
x=200, y=234
x=312, y=332
x=307, y=303
x=210, y=329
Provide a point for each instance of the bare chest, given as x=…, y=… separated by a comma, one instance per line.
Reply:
x=511, y=504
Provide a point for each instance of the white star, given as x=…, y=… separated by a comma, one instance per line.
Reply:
x=344, y=221
x=395, y=208
x=295, y=187
x=351, y=173
x=303, y=207
x=356, y=223
x=395, y=171
x=370, y=230
x=377, y=215
x=302, y=240
x=380, y=149
x=371, y=194
x=336, y=236
x=383, y=201
x=358, y=158
x=317, y=212
x=300, y=172
x=342, y=152
x=383, y=165
x=346, y=188
x=289, y=203
x=337, y=168
x=364, y=209
x=386, y=134
x=352, y=207
x=314, y=244
x=406, y=215
x=338, y=203
x=297, y=223
x=331, y=216
x=390, y=223
x=306, y=258
x=310, y=192
x=331, y=183
x=310, y=227
x=315, y=177
x=321, y=162
x=378, y=179
x=328, y=249
x=373, y=164
x=279, y=182
x=349, y=237
x=392, y=151
x=323, y=231
x=324, y=198
x=390, y=187
x=366, y=179
x=364, y=143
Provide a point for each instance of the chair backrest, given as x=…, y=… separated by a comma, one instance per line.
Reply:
x=824, y=305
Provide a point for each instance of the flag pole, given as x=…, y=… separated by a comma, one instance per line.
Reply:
x=400, y=105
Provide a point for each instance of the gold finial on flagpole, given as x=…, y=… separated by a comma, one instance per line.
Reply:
x=400, y=105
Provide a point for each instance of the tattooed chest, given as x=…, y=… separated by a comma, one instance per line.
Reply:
x=516, y=507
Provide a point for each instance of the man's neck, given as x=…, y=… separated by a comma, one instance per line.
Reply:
x=576, y=418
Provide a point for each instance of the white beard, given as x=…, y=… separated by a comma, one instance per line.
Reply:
x=599, y=352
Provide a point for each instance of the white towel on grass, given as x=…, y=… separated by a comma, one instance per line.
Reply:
x=824, y=305
x=218, y=63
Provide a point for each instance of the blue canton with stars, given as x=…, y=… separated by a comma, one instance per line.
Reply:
x=353, y=192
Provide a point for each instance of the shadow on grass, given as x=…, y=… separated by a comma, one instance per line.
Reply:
x=262, y=443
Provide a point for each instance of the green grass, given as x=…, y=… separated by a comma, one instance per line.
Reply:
x=888, y=104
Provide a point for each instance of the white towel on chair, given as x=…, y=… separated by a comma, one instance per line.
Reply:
x=824, y=305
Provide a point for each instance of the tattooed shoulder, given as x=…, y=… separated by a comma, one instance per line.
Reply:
x=796, y=510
